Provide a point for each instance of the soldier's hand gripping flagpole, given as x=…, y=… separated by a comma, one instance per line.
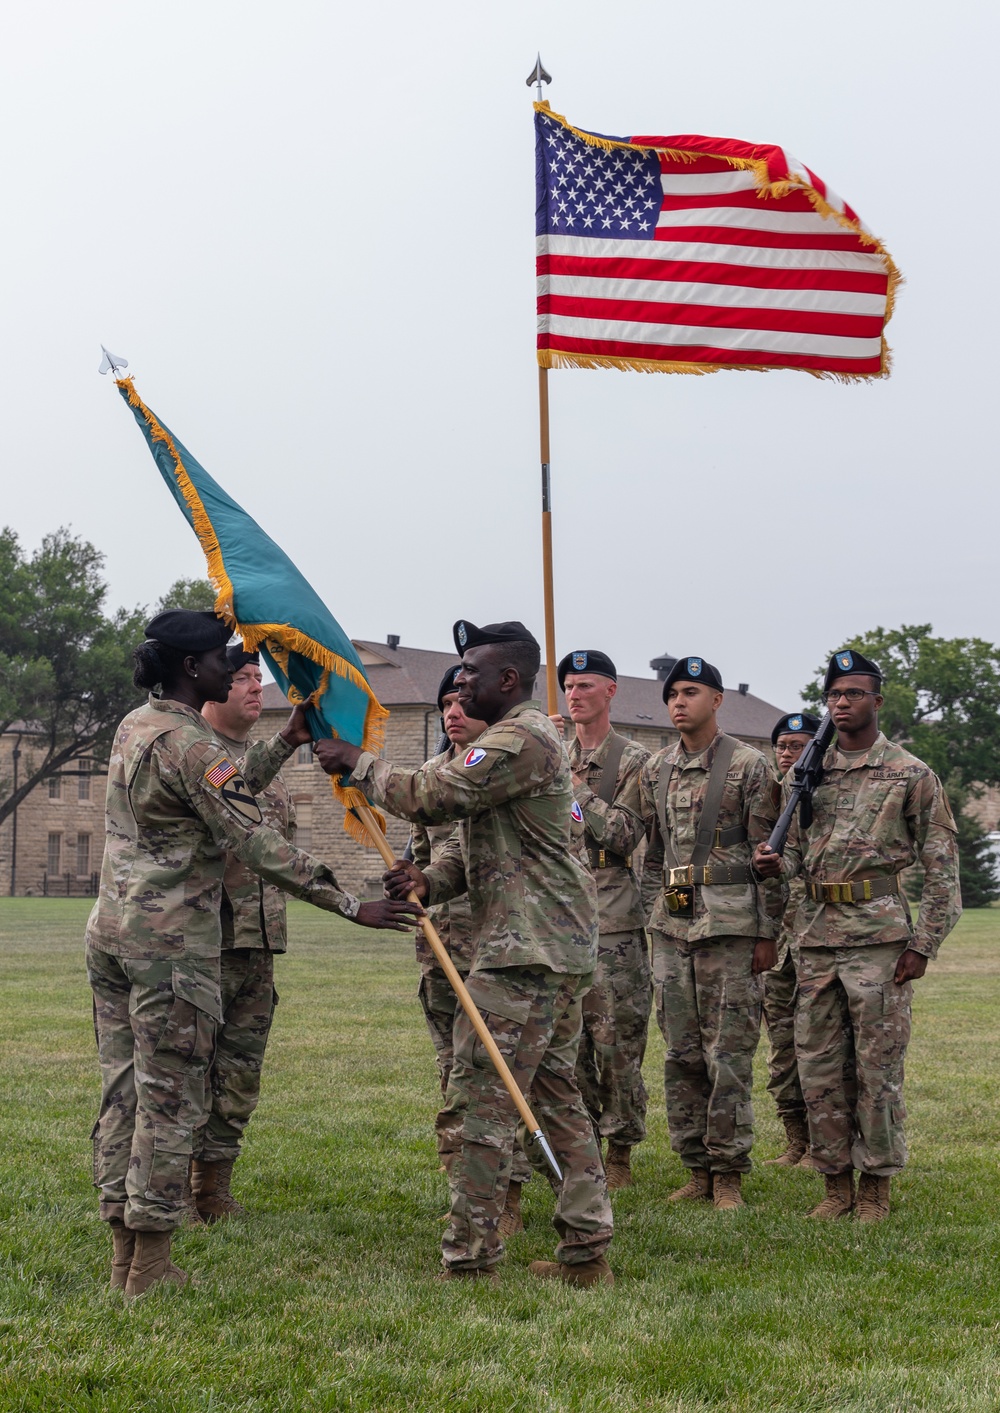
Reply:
x=468, y=1005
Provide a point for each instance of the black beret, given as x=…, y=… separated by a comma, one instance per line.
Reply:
x=187, y=630
x=447, y=684
x=796, y=723
x=587, y=660
x=238, y=657
x=848, y=661
x=467, y=635
x=692, y=669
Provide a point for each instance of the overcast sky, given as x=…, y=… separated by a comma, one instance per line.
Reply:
x=310, y=228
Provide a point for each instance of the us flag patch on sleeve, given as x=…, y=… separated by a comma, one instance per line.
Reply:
x=219, y=774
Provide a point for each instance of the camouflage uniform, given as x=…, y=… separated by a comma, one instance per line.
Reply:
x=875, y=813
x=176, y=807
x=780, y=991
x=534, y=911
x=253, y=929
x=708, y=1003
x=616, y=1008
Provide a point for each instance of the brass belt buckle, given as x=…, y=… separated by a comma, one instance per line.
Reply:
x=600, y=859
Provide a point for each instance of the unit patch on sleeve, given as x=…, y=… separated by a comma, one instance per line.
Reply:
x=219, y=774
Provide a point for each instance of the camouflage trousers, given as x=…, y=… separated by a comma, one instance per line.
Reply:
x=534, y=1015
x=780, y=993
x=708, y=1005
x=613, y=1043
x=155, y=1039
x=852, y=1028
x=440, y=1006
x=248, y=1002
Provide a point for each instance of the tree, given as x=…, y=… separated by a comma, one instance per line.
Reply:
x=942, y=701
x=65, y=669
x=196, y=594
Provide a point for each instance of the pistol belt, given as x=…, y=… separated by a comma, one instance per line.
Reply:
x=712, y=875
x=606, y=858
x=862, y=890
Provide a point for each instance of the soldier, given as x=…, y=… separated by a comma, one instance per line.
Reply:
x=253, y=929
x=877, y=810
x=789, y=738
x=616, y=1009
x=177, y=805
x=534, y=912
x=706, y=802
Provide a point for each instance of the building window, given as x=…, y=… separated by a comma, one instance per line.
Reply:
x=83, y=783
x=55, y=789
x=304, y=755
x=55, y=853
x=82, y=855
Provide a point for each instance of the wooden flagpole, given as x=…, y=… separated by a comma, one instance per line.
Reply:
x=446, y=964
x=547, y=587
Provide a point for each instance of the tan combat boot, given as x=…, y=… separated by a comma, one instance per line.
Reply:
x=698, y=1187
x=726, y=1193
x=585, y=1273
x=192, y=1217
x=618, y=1167
x=474, y=1273
x=797, y=1145
x=151, y=1264
x=872, y=1203
x=839, y=1198
x=210, y=1188
x=123, y=1248
x=511, y=1221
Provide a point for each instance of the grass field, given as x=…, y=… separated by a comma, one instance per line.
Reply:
x=324, y=1297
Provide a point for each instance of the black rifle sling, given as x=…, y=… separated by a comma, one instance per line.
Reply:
x=609, y=773
x=710, y=810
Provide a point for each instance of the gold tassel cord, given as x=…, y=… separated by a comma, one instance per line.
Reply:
x=281, y=639
x=555, y=358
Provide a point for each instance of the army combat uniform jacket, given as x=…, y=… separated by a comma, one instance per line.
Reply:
x=453, y=920
x=610, y=832
x=873, y=817
x=176, y=806
x=253, y=912
x=533, y=902
x=749, y=807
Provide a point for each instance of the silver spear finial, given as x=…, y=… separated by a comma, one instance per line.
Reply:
x=111, y=362
x=538, y=75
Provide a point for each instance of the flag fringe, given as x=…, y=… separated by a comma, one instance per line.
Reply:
x=555, y=358
x=280, y=635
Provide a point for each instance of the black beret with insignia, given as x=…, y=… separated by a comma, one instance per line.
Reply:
x=796, y=723
x=586, y=660
x=846, y=663
x=448, y=685
x=188, y=630
x=693, y=669
x=467, y=635
x=238, y=657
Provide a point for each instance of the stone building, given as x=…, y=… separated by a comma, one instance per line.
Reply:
x=54, y=842
x=63, y=831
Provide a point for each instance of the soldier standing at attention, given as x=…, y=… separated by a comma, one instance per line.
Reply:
x=616, y=1009
x=253, y=929
x=877, y=810
x=534, y=912
x=789, y=738
x=706, y=802
x=177, y=805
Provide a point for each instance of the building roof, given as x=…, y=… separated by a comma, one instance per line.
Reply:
x=403, y=676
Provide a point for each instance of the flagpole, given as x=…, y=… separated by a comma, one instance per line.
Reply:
x=547, y=585
x=446, y=964
x=538, y=76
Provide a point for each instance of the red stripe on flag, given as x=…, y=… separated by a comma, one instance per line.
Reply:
x=685, y=353
x=851, y=326
x=704, y=272
x=772, y=240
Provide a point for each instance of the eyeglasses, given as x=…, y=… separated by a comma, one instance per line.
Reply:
x=850, y=694
x=790, y=748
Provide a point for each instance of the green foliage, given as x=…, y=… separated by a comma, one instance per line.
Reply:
x=323, y=1297
x=941, y=699
x=976, y=861
x=195, y=594
x=65, y=673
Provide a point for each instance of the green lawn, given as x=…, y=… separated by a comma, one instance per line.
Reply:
x=324, y=1297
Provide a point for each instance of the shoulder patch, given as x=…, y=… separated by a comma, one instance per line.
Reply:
x=474, y=757
x=219, y=774
x=577, y=813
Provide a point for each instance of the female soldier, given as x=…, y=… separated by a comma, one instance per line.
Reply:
x=176, y=805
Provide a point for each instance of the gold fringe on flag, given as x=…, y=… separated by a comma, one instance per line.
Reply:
x=279, y=638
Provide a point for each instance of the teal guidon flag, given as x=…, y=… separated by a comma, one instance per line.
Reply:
x=269, y=603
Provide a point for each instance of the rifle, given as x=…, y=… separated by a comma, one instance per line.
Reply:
x=808, y=773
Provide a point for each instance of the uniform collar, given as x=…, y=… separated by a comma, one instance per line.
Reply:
x=519, y=709
x=700, y=761
x=175, y=708
x=595, y=757
x=237, y=746
x=836, y=760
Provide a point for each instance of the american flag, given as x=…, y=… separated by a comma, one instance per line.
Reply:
x=219, y=774
x=688, y=254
